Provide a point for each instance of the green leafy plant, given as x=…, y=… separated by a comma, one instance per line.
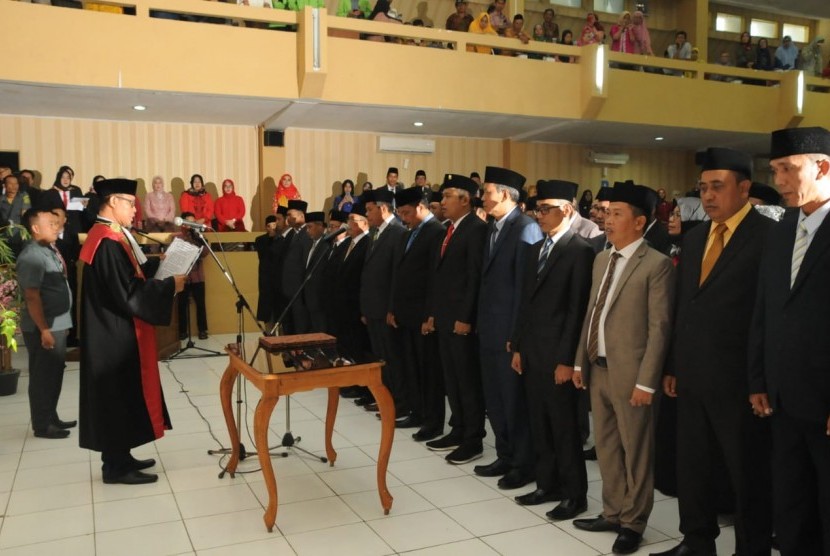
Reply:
x=10, y=294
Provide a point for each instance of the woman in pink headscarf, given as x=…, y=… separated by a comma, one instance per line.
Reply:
x=286, y=191
x=642, y=40
x=229, y=209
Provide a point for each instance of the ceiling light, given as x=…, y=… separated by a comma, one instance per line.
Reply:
x=658, y=138
x=139, y=107
x=418, y=124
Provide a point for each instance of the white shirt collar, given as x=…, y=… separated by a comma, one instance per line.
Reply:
x=815, y=220
x=628, y=251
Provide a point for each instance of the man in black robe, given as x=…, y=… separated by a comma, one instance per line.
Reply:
x=121, y=402
x=268, y=265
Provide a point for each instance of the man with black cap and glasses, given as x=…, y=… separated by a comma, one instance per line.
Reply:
x=554, y=295
x=298, y=245
x=453, y=303
x=122, y=405
x=707, y=367
x=510, y=234
x=621, y=352
x=789, y=368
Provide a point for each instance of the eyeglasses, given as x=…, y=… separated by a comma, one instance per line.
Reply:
x=544, y=210
x=125, y=199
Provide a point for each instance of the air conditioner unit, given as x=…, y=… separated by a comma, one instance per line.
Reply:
x=406, y=145
x=607, y=159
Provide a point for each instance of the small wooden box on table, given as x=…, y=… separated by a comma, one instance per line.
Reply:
x=272, y=385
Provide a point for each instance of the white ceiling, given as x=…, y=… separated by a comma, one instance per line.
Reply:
x=116, y=104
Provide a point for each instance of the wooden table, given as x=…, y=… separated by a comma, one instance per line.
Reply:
x=272, y=386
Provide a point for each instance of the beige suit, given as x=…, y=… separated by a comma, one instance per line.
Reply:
x=637, y=333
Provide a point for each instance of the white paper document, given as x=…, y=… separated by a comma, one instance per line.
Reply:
x=77, y=203
x=178, y=259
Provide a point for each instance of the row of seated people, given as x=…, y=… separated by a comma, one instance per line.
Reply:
x=509, y=316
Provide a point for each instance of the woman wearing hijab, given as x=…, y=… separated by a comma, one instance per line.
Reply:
x=744, y=53
x=159, y=208
x=482, y=26
x=286, y=191
x=622, y=34
x=197, y=200
x=812, y=63
x=230, y=209
x=642, y=38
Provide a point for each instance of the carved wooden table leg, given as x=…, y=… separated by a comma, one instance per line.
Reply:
x=331, y=414
x=387, y=418
x=225, y=391
x=262, y=417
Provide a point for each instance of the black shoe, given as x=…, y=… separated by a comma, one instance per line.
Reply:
x=590, y=454
x=464, y=454
x=684, y=549
x=132, y=477
x=52, y=432
x=496, y=469
x=65, y=424
x=364, y=400
x=408, y=422
x=370, y=407
x=203, y=335
x=182, y=336
x=139, y=464
x=628, y=541
x=514, y=479
x=425, y=434
x=445, y=443
x=537, y=497
x=596, y=524
x=568, y=509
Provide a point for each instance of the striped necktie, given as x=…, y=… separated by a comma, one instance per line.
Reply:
x=543, y=255
x=593, y=331
x=799, y=249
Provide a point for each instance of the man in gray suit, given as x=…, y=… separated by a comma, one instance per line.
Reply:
x=621, y=353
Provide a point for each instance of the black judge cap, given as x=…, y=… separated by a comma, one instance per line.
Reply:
x=296, y=204
x=382, y=195
x=315, y=217
x=764, y=192
x=800, y=140
x=391, y=170
x=717, y=158
x=282, y=210
x=635, y=195
x=457, y=181
x=604, y=193
x=556, y=189
x=116, y=186
x=338, y=215
x=503, y=176
x=409, y=196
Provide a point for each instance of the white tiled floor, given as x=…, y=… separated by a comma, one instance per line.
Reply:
x=52, y=500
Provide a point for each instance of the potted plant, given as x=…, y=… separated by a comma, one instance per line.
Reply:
x=10, y=301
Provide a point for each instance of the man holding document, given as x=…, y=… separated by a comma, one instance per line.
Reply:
x=121, y=402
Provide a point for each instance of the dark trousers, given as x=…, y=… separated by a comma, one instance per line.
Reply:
x=115, y=462
x=560, y=464
x=434, y=394
x=462, y=379
x=801, y=480
x=506, y=403
x=713, y=429
x=196, y=290
x=421, y=366
x=45, y=377
x=385, y=346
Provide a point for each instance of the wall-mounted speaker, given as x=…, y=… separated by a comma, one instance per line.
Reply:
x=274, y=138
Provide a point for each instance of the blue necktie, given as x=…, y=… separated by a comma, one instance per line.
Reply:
x=412, y=235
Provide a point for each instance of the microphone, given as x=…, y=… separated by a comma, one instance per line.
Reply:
x=331, y=235
x=179, y=221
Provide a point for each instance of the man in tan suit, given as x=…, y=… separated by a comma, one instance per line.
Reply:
x=621, y=353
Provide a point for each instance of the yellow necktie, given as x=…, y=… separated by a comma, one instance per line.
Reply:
x=714, y=252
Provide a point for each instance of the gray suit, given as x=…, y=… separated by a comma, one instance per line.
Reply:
x=637, y=334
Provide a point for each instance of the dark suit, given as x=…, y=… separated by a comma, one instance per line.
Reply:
x=790, y=361
x=312, y=301
x=420, y=361
x=552, y=310
x=498, y=306
x=599, y=243
x=454, y=297
x=293, y=274
x=709, y=360
x=329, y=271
x=658, y=238
x=375, y=295
x=344, y=322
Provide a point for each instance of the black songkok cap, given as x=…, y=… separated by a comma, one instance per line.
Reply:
x=409, y=196
x=556, y=189
x=530, y=204
x=799, y=140
x=503, y=176
x=50, y=202
x=420, y=173
x=522, y=196
x=474, y=175
x=457, y=181
x=435, y=197
x=717, y=158
x=477, y=202
x=282, y=210
x=116, y=186
x=604, y=193
x=296, y=204
x=635, y=195
x=359, y=209
x=270, y=218
x=765, y=192
x=382, y=195
x=338, y=215
x=652, y=198
x=391, y=170
x=315, y=217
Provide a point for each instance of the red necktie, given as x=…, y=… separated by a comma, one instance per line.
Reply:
x=450, y=230
x=65, y=198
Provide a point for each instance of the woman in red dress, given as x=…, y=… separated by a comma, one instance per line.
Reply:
x=197, y=200
x=229, y=209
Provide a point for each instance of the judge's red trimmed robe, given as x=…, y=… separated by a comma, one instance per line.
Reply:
x=121, y=401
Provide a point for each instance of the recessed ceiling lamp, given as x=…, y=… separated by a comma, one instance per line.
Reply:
x=418, y=124
x=658, y=138
x=139, y=107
